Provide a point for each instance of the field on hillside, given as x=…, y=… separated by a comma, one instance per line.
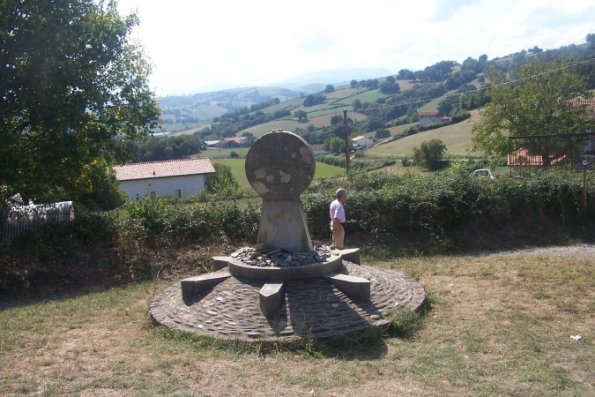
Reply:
x=320, y=118
x=291, y=105
x=367, y=96
x=499, y=325
x=239, y=172
x=284, y=124
x=456, y=137
x=343, y=93
x=431, y=106
x=223, y=153
x=400, y=128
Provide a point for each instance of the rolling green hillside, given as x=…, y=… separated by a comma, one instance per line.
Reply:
x=456, y=137
x=180, y=113
x=373, y=105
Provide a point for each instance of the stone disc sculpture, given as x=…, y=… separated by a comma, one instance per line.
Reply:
x=284, y=287
x=279, y=167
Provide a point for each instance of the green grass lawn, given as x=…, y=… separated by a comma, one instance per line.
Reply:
x=498, y=326
x=223, y=153
x=239, y=173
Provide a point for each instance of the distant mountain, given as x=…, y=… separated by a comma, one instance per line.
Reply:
x=182, y=112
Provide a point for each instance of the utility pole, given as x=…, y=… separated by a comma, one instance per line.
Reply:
x=347, y=149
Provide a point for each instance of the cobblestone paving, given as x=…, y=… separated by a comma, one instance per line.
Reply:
x=311, y=307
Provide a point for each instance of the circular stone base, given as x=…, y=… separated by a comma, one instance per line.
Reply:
x=312, y=308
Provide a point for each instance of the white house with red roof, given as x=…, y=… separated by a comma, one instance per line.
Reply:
x=430, y=118
x=174, y=178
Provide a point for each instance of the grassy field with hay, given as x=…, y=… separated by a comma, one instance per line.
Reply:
x=456, y=138
x=498, y=325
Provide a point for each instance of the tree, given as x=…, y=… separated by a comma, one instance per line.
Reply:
x=329, y=88
x=590, y=39
x=429, y=154
x=405, y=74
x=538, y=102
x=314, y=99
x=335, y=145
x=382, y=133
x=222, y=182
x=336, y=119
x=70, y=84
x=445, y=106
x=301, y=115
x=389, y=87
x=375, y=123
x=353, y=83
x=357, y=104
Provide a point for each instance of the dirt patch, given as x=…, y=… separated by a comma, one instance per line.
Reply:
x=577, y=250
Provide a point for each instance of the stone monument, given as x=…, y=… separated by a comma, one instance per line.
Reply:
x=279, y=167
x=284, y=287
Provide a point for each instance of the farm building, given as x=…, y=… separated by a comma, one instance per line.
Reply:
x=238, y=141
x=175, y=178
x=318, y=150
x=522, y=155
x=360, y=142
x=428, y=119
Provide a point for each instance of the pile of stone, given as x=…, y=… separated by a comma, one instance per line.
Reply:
x=253, y=256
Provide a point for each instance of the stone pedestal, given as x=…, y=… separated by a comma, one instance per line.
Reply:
x=279, y=166
x=283, y=226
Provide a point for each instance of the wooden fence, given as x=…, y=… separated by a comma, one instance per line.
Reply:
x=23, y=218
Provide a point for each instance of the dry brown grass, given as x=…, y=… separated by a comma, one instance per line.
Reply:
x=498, y=326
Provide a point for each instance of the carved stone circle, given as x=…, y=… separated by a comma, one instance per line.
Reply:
x=280, y=165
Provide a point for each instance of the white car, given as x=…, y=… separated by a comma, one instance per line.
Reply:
x=483, y=173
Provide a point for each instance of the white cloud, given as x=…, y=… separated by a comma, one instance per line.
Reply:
x=231, y=42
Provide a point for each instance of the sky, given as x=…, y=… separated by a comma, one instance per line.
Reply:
x=206, y=45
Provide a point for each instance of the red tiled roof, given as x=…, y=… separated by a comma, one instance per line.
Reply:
x=163, y=169
x=237, y=139
x=522, y=156
x=587, y=103
x=432, y=113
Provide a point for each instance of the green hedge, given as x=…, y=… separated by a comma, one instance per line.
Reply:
x=377, y=203
x=383, y=203
x=447, y=201
x=161, y=220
